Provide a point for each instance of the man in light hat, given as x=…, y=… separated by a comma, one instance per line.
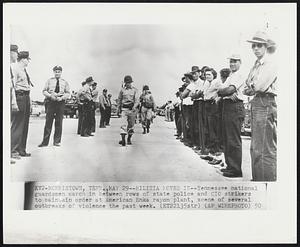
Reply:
x=261, y=83
x=56, y=91
x=20, y=118
x=233, y=117
x=128, y=102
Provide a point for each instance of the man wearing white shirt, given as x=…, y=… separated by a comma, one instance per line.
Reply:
x=233, y=117
x=212, y=117
x=187, y=105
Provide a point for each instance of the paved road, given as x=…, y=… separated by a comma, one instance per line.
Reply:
x=157, y=156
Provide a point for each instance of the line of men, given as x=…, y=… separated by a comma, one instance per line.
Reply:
x=210, y=112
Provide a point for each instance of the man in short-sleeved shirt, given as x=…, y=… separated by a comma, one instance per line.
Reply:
x=233, y=116
x=56, y=91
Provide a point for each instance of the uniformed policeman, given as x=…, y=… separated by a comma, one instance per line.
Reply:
x=80, y=106
x=95, y=94
x=85, y=96
x=128, y=102
x=13, y=101
x=262, y=84
x=56, y=91
x=102, y=105
x=20, y=118
x=108, y=110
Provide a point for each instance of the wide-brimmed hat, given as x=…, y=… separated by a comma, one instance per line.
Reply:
x=128, y=79
x=235, y=57
x=259, y=37
x=89, y=79
x=195, y=69
x=23, y=54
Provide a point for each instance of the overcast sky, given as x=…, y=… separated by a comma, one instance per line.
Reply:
x=156, y=55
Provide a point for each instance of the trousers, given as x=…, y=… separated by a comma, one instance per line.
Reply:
x=187, y=115
x=212, y=119
x=178, y=120
x=107, y=114
x=55, y=110
x=233, y=117
x=86, y=123
x=93, y=116
x=20, y=123
x=102, y=117
x=127, y=121
x=80, y=114
x=195, y=123
x=201, y=126
x=263, y=148
x=146, y=116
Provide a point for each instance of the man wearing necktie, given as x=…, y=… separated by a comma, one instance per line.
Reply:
x=20, y=117
x=261, y=83
x=56, y=91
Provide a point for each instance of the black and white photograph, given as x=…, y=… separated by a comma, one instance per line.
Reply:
x=149, y=106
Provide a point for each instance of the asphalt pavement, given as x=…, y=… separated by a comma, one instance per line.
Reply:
x=156, y=156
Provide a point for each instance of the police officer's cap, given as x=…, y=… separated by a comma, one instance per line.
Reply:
x=57, y=67
x=83, y=83
x=104, y=90
x=14, y=48
x=94, y=83
x=23, y=54
x=128, y=79
x=89, y=79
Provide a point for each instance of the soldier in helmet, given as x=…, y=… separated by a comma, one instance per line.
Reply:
x=128, y=102
x=147, y=108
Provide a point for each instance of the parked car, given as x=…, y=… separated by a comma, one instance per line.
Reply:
x=36, y=109
x=71, y=108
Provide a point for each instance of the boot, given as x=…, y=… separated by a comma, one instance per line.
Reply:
x=144, y=130
x=148, y=129
x=129, y=139
x=122, y=142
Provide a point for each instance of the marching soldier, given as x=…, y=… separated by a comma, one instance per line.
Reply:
x=56, y=91
x=147, y=108
x=20, y=118
x=85, y=96
x=128, y=102
x=262, y=82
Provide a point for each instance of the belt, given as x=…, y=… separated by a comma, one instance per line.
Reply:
x=269, y=95
x=231, y=101
x=22, y=92
x=127, y=106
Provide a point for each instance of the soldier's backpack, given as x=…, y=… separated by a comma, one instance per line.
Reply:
x=148, y=101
